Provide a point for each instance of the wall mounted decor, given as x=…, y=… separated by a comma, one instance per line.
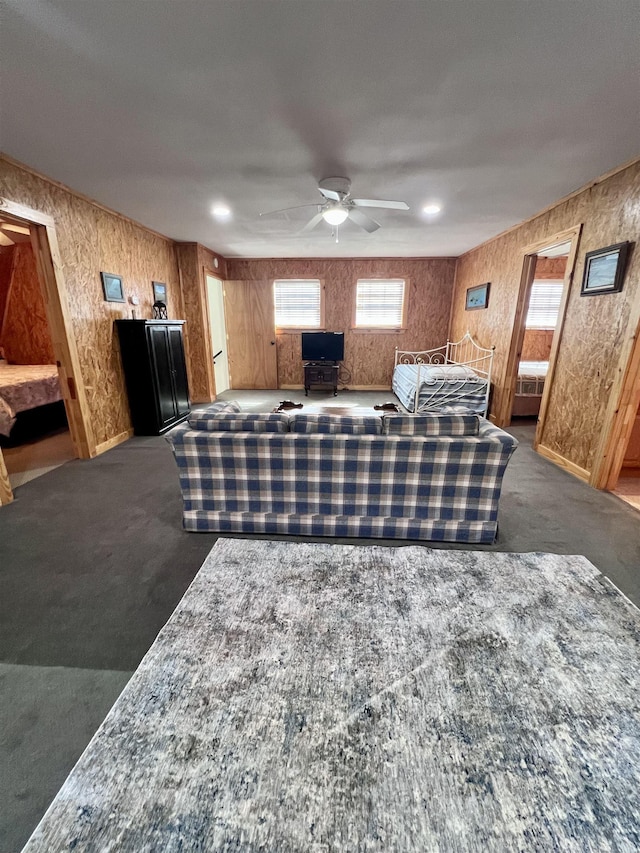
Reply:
x=112, y=286
x=604, y=269
x=477, y=297
x=159, y=292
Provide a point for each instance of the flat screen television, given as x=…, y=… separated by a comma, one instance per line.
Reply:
x=322, y=346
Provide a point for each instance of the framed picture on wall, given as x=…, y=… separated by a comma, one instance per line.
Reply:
x=477, y=297
x=159, y=292
x=604, y=269
x=112, y=287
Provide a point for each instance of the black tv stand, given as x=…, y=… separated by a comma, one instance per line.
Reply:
x=321, y=373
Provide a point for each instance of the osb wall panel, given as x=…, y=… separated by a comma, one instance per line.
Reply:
x=198, y=341
x=91, y=240
x=369, y=358
x=536, y=345
x=208, y=260
x=550, y=268
x=594, y=326
x=24, y=331
x=6, y=265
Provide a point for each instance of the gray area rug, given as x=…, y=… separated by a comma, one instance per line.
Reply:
x=313, y=697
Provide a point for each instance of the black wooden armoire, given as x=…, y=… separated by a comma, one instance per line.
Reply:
x=155, y=372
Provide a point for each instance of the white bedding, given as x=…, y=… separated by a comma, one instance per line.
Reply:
x=533, y=368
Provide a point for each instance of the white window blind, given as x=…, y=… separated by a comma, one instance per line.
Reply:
x=379, y=303
x=544, y=304
x=298, y=303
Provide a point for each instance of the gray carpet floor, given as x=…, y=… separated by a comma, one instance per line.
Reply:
x=93, y=561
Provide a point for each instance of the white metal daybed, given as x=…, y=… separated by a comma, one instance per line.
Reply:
x=455, y=377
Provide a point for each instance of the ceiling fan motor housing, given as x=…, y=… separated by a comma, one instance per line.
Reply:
x=342, y=186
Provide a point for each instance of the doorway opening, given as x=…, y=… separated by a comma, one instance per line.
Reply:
x=547, y=273
x=620, y=471
x=218, y=327
x=42, y=390
x=34, y=431
x=540, y=323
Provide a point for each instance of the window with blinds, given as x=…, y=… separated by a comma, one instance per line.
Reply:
x=380, y=303
x=298, y=303
x=544, y=304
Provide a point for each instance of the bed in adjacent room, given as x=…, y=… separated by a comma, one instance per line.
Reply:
x=529, y=387
x=24, y=387
x=453, y=378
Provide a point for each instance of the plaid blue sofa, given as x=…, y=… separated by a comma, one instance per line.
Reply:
x=430, y=477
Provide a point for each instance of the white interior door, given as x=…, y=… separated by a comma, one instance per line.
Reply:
x=218, y=333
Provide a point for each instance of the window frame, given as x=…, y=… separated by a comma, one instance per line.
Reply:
x=292, y=330
x=382, y=330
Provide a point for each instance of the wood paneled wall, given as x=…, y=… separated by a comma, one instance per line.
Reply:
x=536, y=345
x=550, y=268
x=193, y=261
x=24, y=330
x=6, y=267
x=93, y=239
x=369, y=358
x=595, y=327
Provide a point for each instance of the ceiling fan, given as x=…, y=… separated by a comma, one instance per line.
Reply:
x=338, y=206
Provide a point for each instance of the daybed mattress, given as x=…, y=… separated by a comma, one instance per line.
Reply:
x=25, y=386
x=465, y=392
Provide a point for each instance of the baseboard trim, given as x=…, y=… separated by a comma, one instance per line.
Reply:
x=112, y=442
x=571, y=467
x=369, y=388
x=350, y=388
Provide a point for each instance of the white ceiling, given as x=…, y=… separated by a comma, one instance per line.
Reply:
x=159, y=108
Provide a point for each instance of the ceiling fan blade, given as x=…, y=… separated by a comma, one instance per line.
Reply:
x=332, y=194
x=378, y=202
x=311, y=224
x=284, y=209
x=363, y=220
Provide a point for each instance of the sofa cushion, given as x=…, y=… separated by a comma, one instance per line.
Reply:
x=242, y=422
x=211, y=411
x=336, y=424
x=430, y=424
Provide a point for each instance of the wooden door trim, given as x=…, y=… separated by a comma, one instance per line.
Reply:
x=207, y=309
x=45, y=246
x=206, y=328
x=557, y=334
x=529, y=258
x=620, y=415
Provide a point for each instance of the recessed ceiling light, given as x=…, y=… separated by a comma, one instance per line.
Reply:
x=431, y=209
x=221, y=211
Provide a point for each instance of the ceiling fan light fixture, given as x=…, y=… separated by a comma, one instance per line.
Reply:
x=335, y=215
x=432, y=209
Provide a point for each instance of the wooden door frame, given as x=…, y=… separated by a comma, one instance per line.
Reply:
x=214, y=274
x=44, y=240
x=620, y=413
x=529, y=260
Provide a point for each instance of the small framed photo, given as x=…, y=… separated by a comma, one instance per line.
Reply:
x=159, y=292
x=604, y=269
x=477, y=297
x=112, y=286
